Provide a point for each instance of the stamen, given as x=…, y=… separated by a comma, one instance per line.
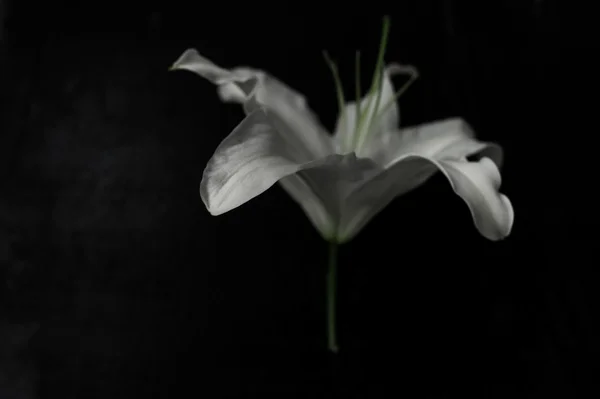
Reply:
x=338, y=87
x=357, y=86
x=414, y=75
x=376, y=85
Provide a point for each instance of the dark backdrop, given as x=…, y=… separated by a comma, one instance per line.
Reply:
x=117, y=283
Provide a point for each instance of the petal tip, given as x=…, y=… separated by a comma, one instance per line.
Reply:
x=510, y=218
x=191, y=60
x=505, y=226
x=215, y=210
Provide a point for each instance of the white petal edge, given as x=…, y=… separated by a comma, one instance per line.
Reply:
x=477, y=183
x=230, y=84
x=254, y=89
x=451, y=138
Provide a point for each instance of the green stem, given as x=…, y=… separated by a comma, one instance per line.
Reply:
x=331, y=298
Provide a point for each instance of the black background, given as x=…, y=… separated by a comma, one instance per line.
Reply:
x=117, y=283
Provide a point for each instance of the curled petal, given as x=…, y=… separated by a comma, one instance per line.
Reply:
x=255, y=89
x=477, y=183
x=450, y=138
x=233, y=86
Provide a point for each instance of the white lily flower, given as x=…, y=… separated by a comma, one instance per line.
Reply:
x=342, y=180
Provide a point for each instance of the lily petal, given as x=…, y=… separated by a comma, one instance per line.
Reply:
x=477, y=183
x=257, y=154
x=255, y=88
x=231, y=87
x=249, y=161
x=451, y=138
x=387, y=114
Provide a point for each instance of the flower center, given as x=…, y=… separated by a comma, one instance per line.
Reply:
x=365, y=114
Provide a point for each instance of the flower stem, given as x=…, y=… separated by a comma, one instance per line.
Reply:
x=331, y=298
